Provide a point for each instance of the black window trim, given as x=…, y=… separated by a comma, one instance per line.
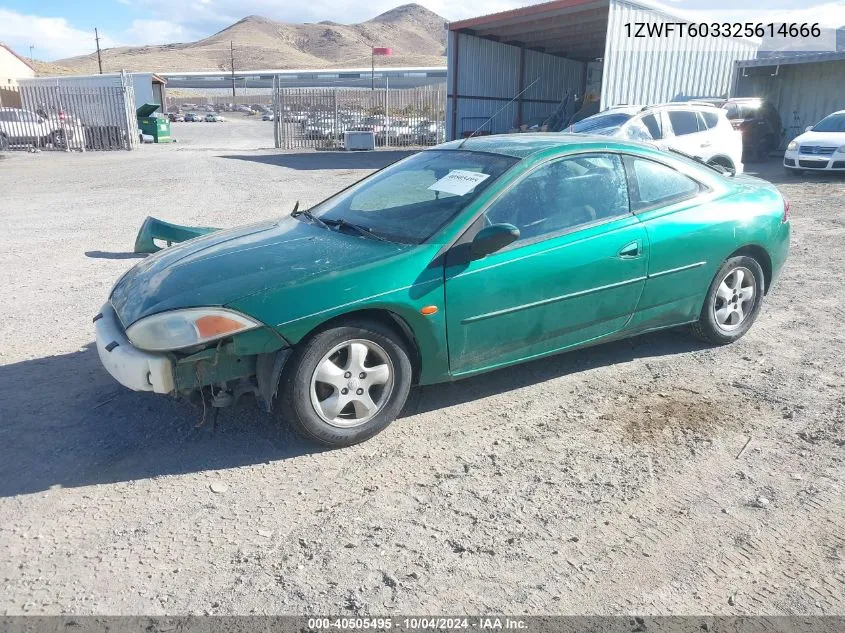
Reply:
x=633, y=192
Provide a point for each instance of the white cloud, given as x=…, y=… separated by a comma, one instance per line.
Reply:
x=52, y=37
x=157, y=31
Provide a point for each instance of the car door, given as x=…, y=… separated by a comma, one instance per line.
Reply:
x=575, y=273
x=687, y=135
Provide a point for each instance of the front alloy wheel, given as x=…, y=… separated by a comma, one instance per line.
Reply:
x=351, y=383
x=345, y=383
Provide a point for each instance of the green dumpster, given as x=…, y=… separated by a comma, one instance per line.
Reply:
x=153, y=124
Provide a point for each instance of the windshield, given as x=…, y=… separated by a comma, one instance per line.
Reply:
x=601, y=123
x=832, y=123
x=411, y=200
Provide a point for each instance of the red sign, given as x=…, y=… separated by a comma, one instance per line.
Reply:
x=382, y=51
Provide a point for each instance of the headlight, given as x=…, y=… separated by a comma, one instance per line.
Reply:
x=792, y=146
x=185, y=328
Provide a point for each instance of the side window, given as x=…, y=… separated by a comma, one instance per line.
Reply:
x=683, y=122
x=7, y=115
x=656, y=184
x=636, y=131
x=564, y=194
x=653, y=124
x=708, y=120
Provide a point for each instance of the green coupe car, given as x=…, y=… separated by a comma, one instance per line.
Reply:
x=464, y=258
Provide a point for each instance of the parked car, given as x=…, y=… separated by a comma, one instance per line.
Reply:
x=193, y=117
x=427, y=133
x=269, y=116
x=320, y=128
x=22, y=127
x=211, y=117
x=457, y=260
x=699, y=130
x=176, y=117
x=759, y=123
x=820, y=148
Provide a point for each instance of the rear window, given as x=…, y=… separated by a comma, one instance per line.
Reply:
x=683, y=122
x=741, y=111
x=601, y=123
x=708, y=120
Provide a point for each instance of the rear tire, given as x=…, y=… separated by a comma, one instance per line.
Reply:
x=345, y=384
x=4, y=143
x=732, y=303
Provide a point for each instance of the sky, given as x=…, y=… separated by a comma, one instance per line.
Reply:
x=58, y=28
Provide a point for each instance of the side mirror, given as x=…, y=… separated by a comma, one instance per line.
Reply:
x=493, y=238
x=809, y=128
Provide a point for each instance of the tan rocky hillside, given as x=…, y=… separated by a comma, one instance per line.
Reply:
x=416, y=35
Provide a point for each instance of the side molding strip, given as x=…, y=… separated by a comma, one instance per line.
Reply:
x=676, y=270
x=543, y=302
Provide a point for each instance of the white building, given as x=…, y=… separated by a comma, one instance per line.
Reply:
x=13, y=67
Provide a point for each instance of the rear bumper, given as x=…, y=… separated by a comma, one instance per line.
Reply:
x=131, y=367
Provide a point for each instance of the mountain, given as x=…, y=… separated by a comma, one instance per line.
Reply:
x=416, y=35
x=783, y=47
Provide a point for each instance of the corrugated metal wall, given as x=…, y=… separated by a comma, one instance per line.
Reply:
x=488, y=77
x=642, y=71
x=802, y=93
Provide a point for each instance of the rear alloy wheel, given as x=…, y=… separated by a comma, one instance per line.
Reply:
x=59, y=139
x=733, y=301
x=347, y=383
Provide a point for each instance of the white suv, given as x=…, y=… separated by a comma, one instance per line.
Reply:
x=22, y=127
x=699, y=130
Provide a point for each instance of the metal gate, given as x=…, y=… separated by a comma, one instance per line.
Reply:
x=318, y=117
x=68, y=117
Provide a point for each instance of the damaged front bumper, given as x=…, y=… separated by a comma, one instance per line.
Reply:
x=130, y=366
x=258, y=354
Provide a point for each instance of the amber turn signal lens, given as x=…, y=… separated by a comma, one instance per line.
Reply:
x=215, y=325
x=428, y=310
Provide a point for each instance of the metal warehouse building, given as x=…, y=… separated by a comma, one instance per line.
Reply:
x=575, y=47
x=803, y=88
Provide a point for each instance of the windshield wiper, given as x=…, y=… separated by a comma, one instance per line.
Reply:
x=363, y=230
x=714, y=166
x=306, y=213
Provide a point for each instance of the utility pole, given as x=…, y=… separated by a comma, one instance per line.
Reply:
x=232, y=56
x=99, y=59
x=31, y=58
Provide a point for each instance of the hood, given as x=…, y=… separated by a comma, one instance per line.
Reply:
x=827, y=139
x=225, y=266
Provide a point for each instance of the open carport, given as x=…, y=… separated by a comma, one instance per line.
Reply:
x=528, y=63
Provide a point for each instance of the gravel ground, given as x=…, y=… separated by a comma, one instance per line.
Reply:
x=652, y=476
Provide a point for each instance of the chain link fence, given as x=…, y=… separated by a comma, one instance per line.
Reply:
x=67, y=118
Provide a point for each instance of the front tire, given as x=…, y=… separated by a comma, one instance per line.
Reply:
x=347, y=383
x=733, y=301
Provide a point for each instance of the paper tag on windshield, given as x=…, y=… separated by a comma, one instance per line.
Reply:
x=459, y=182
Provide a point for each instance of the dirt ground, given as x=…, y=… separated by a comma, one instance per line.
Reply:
x=652, y=476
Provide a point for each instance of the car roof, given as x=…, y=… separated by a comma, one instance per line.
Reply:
x=523, y=145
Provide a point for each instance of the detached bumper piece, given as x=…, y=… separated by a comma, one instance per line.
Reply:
x=153, y=229
x=131, y=367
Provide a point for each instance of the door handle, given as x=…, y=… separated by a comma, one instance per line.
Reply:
x=630, y=250
x=707, y=144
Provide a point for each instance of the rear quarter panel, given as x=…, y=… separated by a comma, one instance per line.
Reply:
x=690, y=241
